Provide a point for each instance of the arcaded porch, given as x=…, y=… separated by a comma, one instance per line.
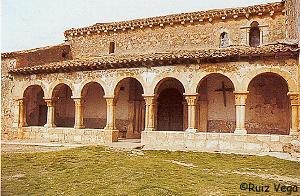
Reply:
x=216, y=114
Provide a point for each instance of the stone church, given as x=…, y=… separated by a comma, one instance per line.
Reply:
x=217, y=80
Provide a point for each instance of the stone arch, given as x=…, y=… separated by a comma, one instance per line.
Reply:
x=292, y=85
x=40, y=83
x=86, y=82
x=93, y=104
x=170, y=105
x=64, y=105
x=35, y=106
x=56, y=83
x=216, y=103
x=130, y=107
x=158, y=83
x=268, y=105
x=231, y=77
x=120, y=79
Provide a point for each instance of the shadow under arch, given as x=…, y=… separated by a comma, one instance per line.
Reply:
x=216, y=104
x=35, y=106
x=64, y=105
x=130, y=107
x=170, y=112
x=94, y=105
x=268, y=105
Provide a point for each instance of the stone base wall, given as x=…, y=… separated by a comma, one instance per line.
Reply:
x=65, y=135
x=214, y=142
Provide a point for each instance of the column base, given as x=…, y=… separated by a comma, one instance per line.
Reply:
x=149, y=129
x=49, y=126
x=79, y=127
x=294, y=133
x=240, y=131
x=109, y=128
x=191, y=130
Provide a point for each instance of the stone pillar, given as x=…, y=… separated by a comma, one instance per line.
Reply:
x=50, y=113
x=150, y=113
x=240, y=110
x=22, y=114
x=111, y=109
x=294, y=98
x=78, y=113
x=191, y=102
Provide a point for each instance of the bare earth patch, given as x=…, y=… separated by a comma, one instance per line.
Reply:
x=19, y=148
x=272, y=177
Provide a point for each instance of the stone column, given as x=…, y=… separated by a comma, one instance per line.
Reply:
x=50, y=113
x=22, y=114
x=240, y=110
x=191, y=102
x=150, y=113
x=110, y=121
x=294, y=98
x=78, y=113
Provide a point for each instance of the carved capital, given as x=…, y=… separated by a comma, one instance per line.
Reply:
x=110, y=101
x=191, y=99
x=240, y=98
x=78, y=102
x=49, y=102
x=150, y=100
x=294, y=98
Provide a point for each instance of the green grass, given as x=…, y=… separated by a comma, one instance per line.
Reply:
x=102, y=171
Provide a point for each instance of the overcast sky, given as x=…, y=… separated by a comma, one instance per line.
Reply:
x=34, y=23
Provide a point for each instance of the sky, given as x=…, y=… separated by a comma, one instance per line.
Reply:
x=27, y=24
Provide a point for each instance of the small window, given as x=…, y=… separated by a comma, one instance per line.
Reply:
x=111, y=47
x=224, y=40
x=254, y=35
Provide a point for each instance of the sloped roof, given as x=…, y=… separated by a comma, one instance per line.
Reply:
x=158, y=59
x=175, y=19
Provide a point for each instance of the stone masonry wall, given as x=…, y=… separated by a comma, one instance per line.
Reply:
x=187, y=36
x=7, y=103
x=43, y=56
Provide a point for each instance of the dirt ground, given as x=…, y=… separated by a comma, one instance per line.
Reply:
x=19, y=148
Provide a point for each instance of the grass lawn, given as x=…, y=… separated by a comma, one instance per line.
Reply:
x=102, y=171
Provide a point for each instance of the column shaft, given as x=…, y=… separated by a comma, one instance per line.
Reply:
x=78, y=113
x=150, y=113
x=294, y=98
x=22, y=113
x=110, y=121
x=50, y=113
x=240, y=109
x=191, y=102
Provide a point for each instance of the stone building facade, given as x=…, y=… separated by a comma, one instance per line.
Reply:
x=217, y=80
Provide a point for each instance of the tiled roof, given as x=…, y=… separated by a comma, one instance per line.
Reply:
x=174, y=19
x=16, y=53
x=159, y=59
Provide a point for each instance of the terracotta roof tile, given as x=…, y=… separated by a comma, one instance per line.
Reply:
x=173, y=57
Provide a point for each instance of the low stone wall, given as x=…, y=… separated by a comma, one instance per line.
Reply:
x=214, y=142
x=68, y=135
